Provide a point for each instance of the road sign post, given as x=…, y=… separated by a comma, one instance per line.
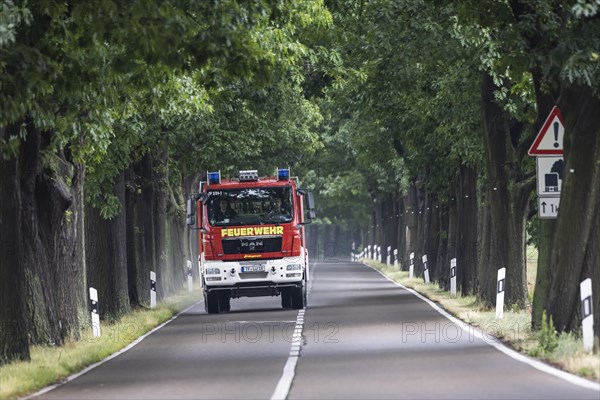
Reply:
x=453, y=277
x=587, y=316
x=152, y=289
x=426, y=269
x=94, y=311
x=190, y=276
x=500, y=293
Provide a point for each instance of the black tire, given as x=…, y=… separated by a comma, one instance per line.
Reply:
x=224, y=301
x=299, y=297
x=286, y=298
x=212, y=302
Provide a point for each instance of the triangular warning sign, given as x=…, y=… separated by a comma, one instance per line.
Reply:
x=549, y=139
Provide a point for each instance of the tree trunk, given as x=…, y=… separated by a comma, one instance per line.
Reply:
x=106, y=254
x=441, y=273
x=160, y=181
x=401, y=230
x=454, y=240
x=412, y=214
x=133, y=236
x=575, y=254
x=467, y=235
x=487, y=277
x=145, y=219
x=13, y=322
x=432, y=234
x=508, y=198
x=70, y=278
x=546, y=234
x=177, y=231
x=44, y=200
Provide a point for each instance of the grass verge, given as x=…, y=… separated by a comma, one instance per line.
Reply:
x=50, y=365
x=564, y=351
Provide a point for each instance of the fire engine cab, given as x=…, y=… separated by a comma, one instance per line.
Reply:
x=251, y=238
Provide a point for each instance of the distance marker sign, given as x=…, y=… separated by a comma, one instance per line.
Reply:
x=548, y=207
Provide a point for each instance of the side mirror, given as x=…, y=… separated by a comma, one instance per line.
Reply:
x=191, y=212
x=311, y=205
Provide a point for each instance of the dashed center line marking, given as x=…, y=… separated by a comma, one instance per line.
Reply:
x=289, y=370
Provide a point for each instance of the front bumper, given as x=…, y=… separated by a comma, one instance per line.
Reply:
x=287, y=271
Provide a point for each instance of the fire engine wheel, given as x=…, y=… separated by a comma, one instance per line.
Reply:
x=286, y=298
x=299, y=297
x=212, y=302
x=224, y=301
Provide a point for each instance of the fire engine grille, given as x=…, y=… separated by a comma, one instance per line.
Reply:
x=248, y=245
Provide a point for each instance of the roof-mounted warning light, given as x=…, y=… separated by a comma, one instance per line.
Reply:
x=248, y=175
x=214, y=178
x=283, y=174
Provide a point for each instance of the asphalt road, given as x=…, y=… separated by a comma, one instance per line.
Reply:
x=362, y=337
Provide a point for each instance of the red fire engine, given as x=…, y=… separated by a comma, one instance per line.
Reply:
x=251, y=238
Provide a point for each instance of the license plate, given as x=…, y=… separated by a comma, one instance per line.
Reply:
x=253, y=268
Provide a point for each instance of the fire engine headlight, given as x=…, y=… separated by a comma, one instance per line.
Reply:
x=294, y=267
x=212, y=271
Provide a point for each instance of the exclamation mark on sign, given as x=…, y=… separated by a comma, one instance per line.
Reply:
x=555, y=125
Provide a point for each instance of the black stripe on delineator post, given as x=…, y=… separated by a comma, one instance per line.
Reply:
x=586, y=307
x=501, y=286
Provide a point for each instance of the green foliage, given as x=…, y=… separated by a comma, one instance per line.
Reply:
x=547, y=338
x=386, y=89
x=12, y=17
x=221, y=82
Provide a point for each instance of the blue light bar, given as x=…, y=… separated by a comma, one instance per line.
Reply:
x=283, y=174
x=214, y=177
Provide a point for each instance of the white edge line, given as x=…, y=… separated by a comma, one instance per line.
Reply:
x=574, y=379
x=99, y=363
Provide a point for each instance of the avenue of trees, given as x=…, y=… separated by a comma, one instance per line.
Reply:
x=430, y=126
x=410, y=119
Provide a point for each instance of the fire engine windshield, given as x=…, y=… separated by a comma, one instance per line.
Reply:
x=250, y=206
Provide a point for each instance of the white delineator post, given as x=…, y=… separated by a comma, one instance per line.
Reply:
x=395, y=257
x=453, y=277
x=94, y=311
x=190, y=277
x=389, y=254
x=411, y=268
x=587, y=314
x=426, y=270
x=152, y=289
x=500, y=293
x=369, y=251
